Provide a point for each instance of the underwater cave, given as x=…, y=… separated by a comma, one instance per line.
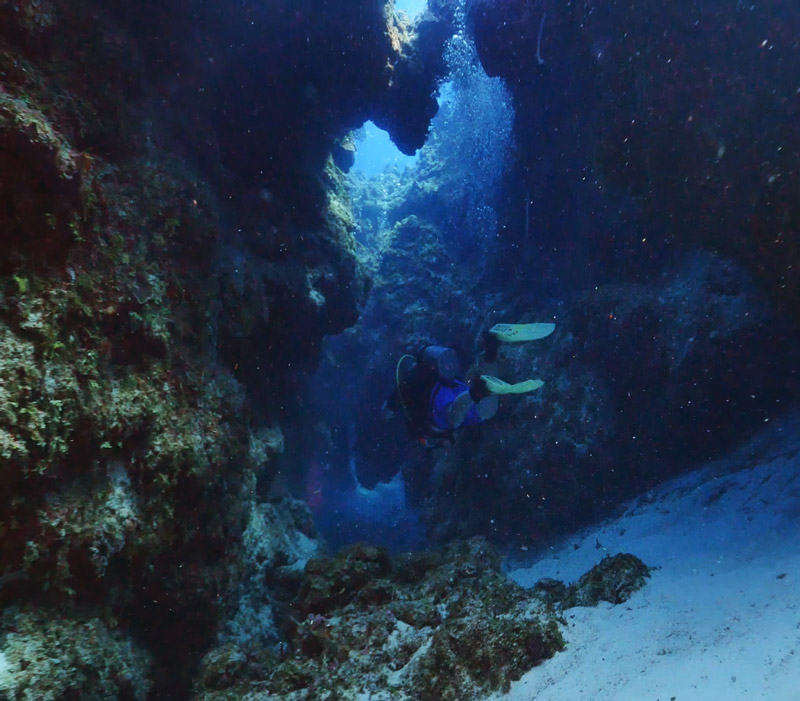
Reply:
x=399, y=349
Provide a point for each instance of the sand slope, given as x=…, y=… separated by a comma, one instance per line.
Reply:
x=720, y=619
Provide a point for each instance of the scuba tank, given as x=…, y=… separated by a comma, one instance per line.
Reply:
x=440, y=360
x=416, y=375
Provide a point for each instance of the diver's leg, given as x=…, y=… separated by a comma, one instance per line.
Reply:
x=458, y=409
x=486, y=408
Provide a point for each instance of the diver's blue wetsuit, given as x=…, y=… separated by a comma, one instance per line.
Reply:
x=442, y=396
x=426, y=398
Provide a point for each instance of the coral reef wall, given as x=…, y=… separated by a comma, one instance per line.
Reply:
x=175, y=244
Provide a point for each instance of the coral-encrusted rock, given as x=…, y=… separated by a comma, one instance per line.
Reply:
x=468, y=657
x=613, y=580
x=227, y=666
x=450, y=627
x=408, y=105
x=47, y=656
x=278, y=542
x=39, y=186
x=129, y=457
x=442, y=625
x=333, y=583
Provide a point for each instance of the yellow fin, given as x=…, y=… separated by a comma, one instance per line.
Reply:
x=498, y=386
x=511, y=333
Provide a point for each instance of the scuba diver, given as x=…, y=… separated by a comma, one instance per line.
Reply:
x=436, y=401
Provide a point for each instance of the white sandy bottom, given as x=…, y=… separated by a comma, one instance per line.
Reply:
x=720, y=619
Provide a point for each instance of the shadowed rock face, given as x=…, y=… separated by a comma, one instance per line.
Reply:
x=281, y=82
x=641, y=382
x=406, y=108
x=270, y=89
x=688, y=110
x=40, y=191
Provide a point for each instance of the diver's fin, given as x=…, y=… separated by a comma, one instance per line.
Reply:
x=498, y=386
x=521, y=332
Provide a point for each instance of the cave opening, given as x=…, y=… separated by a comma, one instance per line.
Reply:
x=427, y=228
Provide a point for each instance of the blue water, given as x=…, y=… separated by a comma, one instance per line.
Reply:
x=350, y=512
x=411, y=7
x=375, y=152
